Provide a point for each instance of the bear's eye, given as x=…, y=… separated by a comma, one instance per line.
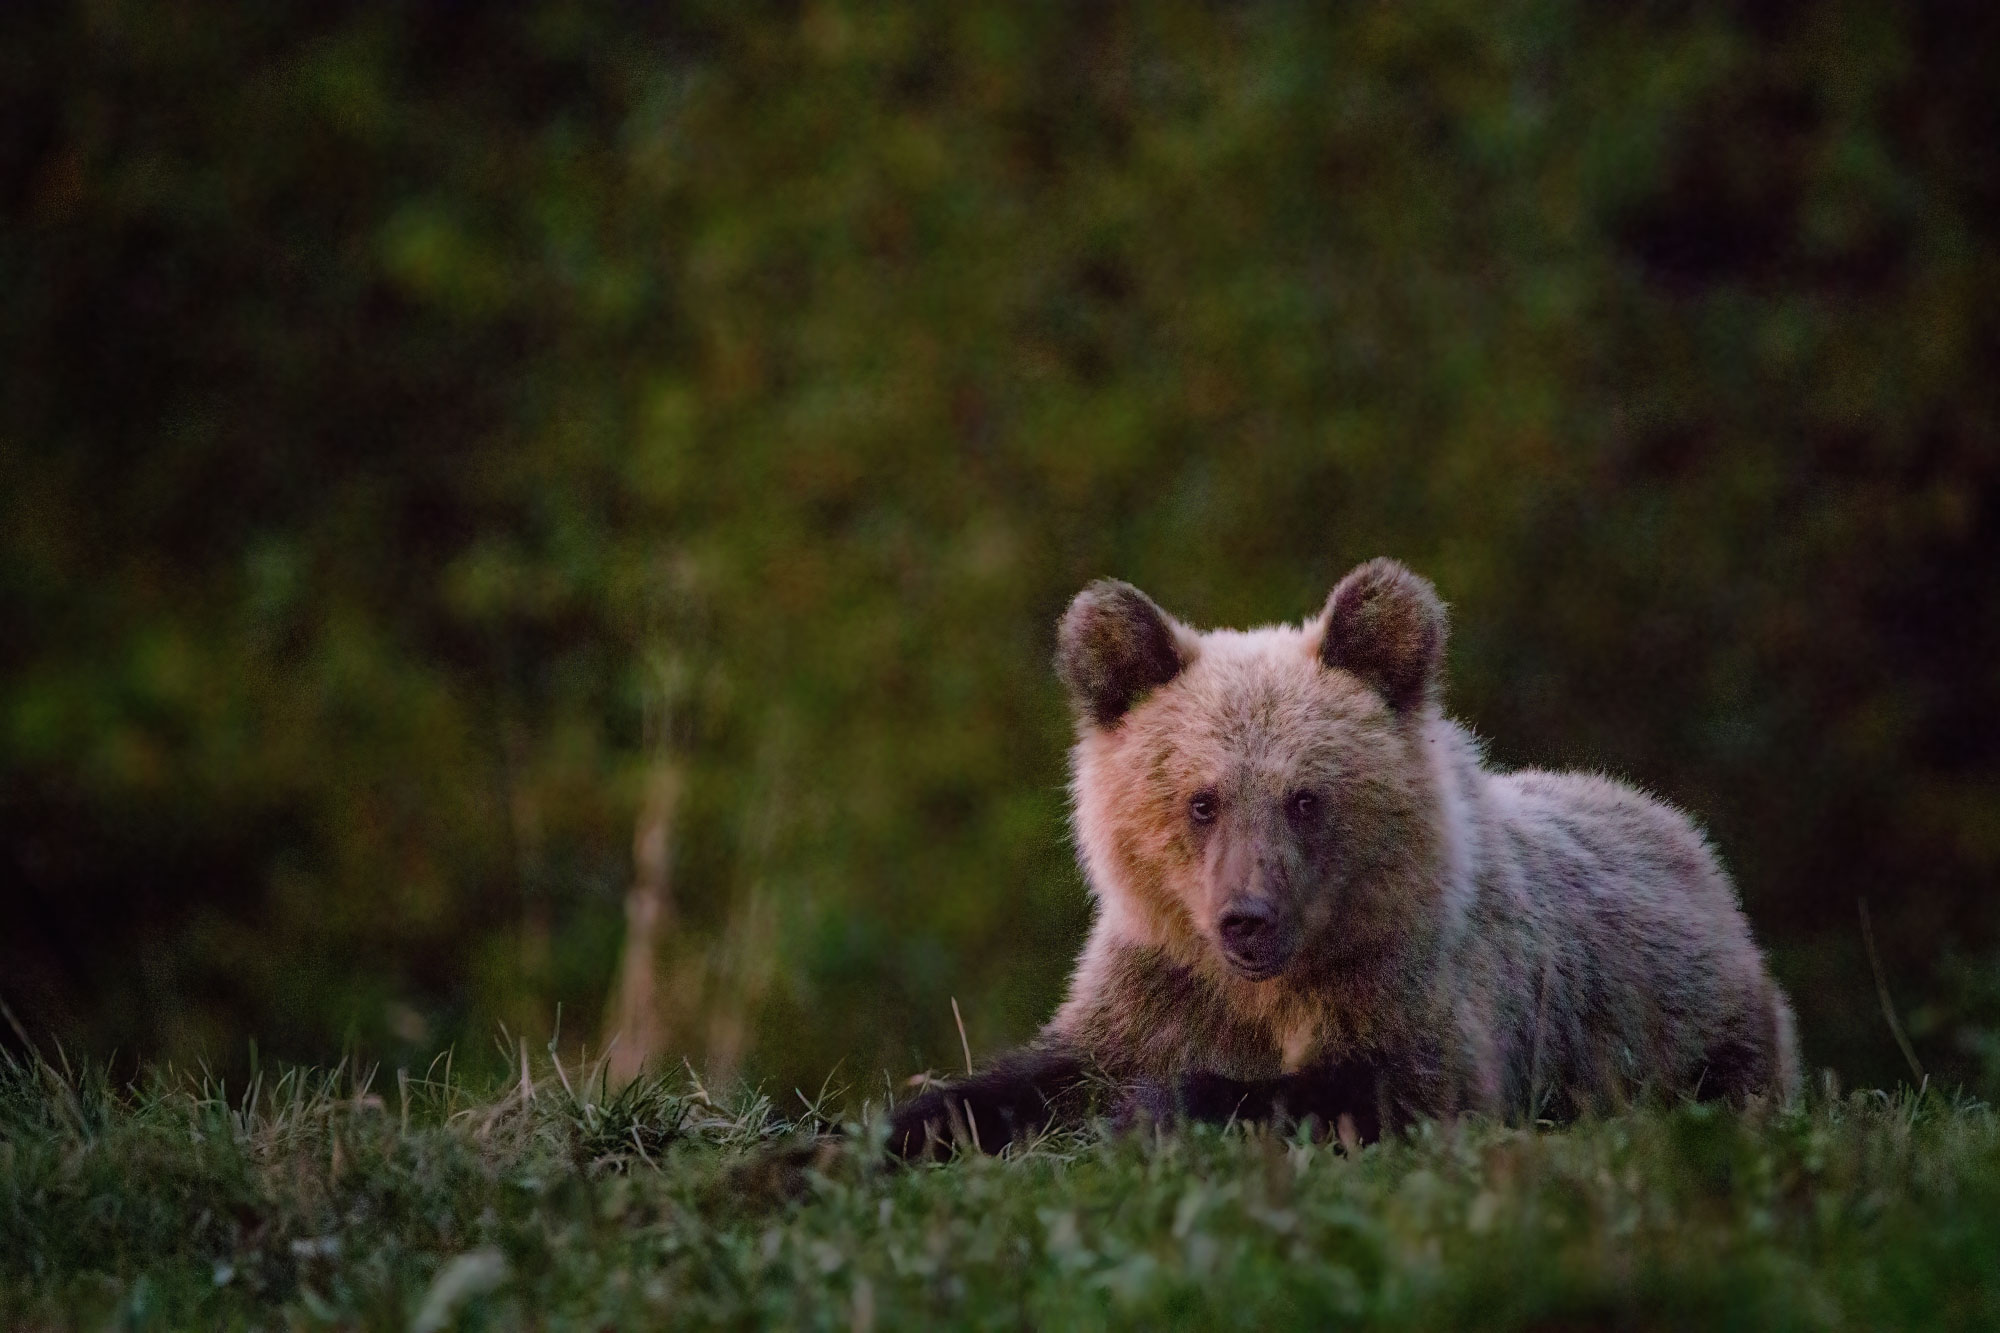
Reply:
x=1302, y=805
x=1202, y=807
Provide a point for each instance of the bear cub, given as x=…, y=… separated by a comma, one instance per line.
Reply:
x=1314, y=900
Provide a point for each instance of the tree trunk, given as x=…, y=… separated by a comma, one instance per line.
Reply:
x=636, y=1032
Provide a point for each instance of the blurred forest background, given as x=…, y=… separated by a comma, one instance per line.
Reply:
x=452, y=453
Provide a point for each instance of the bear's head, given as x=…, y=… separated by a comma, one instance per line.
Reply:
x=1269, y=799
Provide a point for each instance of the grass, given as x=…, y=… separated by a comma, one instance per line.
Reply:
x=316, y=1199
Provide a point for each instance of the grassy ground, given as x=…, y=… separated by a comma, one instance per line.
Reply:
x=313, y=1199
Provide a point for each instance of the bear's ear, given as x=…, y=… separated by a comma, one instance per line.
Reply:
x=1386, y=625
x=1112, y=646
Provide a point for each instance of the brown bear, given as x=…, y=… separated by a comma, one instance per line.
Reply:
x=1314, y=899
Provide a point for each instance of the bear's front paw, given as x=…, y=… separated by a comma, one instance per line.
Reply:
x=1015, y=1099
x=943, y=1120
x=1215, y=1099
x=1338, y=1101
x=927, y=1127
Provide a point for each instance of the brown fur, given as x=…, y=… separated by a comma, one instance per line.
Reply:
x=1515, y=944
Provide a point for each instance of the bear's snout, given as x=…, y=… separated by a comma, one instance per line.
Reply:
x=1256, y=938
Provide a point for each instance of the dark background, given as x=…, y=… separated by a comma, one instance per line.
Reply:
x=421, y=423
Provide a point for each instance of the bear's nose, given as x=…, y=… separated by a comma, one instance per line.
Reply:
x=1245, y=923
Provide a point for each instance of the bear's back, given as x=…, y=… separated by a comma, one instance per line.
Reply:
x=1635, y=925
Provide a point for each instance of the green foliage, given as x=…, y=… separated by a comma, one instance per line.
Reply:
x=418, y=421
x=311, y=1200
